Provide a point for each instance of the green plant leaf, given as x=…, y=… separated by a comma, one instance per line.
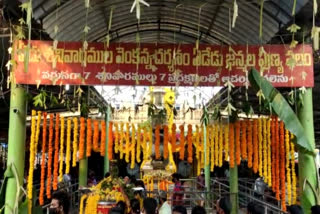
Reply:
x=281, y=108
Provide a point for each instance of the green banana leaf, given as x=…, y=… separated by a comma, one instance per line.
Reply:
x=281, y=108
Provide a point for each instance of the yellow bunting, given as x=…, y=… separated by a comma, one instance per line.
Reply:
x=68, y=154
x=61, y=149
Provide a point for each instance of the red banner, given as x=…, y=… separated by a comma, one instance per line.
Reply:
x=161, y=65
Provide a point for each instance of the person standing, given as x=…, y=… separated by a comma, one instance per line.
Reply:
x=177, y=196
x=164, y=207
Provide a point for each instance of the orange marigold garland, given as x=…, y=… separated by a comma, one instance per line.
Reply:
x=81, y=138
x=273, y=154
x=68, y=149
x=255, y=147
x=75, y=142
x=110, y=142
x=277, y=160
x=293, y=173
x=50, y=150
x=95, y=135
x=89, y=137
x=282, y=167
x=244, y=153
x=231, y=145
x=260, y=139
x=165, y=141
x=173, y=137
x=43, y=158
x=265, y=152
x=157, y=142
x=61, y=149
x=269, y=151
x=288, y=169
x=103, y=138
x=250, y=147
x=56, y=154
x=238, y=149
x=226, y=142
x=181, y=142
x=121, y=137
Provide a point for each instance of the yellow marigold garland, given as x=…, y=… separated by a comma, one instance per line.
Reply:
x=56, y=154
x=133, y=145
x=138, y=145
x=61, y=149
x=75, y=142
x=288, y=169
x=216, y=145
x=68, y=155
x=89, y=137
x=265, y=152
x=144, y=144
x=293, y=172
x=282, y=167
x=269, y=180
x=121, y=137
x=127, y=152
x=83, y=197
x=226, y=142
x=220, y=145
x=92, y=202
x=260, y=139
x=116, y=138
x=211, y=132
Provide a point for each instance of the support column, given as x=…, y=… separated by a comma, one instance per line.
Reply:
x=106, y=155
x=83, y=171
x=307, y=167
x=206, y=166
x=16, y=143
x=233, y=180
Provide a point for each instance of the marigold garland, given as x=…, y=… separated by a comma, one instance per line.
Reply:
x=37, y=132
x=50, y=150
x=220, y=145
x=56, y=154
x=288, y=169
x=244, y=152
x=273, y=148
x=81, y=138
x=255, y=146
x=61, y=150
x=110, y=143
x=282, y=167
x=150, y=135
x=260, y=138
x=165, y=141
x=68, y=154
x=277, y=160
x=96, y=136
x=89, y=137
x=83, y=197
x=116, y=138
x=250, y=146
x=173, y=137
x=226, y=142
x=144, y=144
x=133, y=145
x=138, y=145
x=231, y=145
x=269, y=180
x=75, y=142
x=32, y=158
x=43, y=158
x=265, y=152
x=293, y=173
x=181, y=156
x=121, y=137
x=216, y=144
x=157, y=142
x=103, y=138
x=238, y=149
x=127, y=151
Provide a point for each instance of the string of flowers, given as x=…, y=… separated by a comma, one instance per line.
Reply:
x=83, y=197
x=260, y=138
x=173, y=137
x=37, y=132
x=96, y=136
x=103, y=138
x=273, y=147
x=244, y=154
x=121, y=140
x=255, y=146
x=293, y=172
x=61, y=149
x=43, y=158
x=110, y=143
x=265, y=152
x=50, y=150
x=139, y=145
x=249, y=137
x=211, y=132
x=288, y=169
x=226, y=142
x=165, y=141
x=56, y=154
x=75, y=142
x=127, y=151
x=181, y=142
x=238, y=159
x=116, y=138
x=269, y=151
x=157, y=142
x=89, y=137
x=216, y=145
x=277, y=160
x=68, y=155
x=81, y=138
x=220, y=145
x=231, y=144
x=133, y=145
x=282, y=168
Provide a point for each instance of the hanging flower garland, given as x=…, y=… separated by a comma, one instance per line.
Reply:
x=103, y=138
x=293, y=172
x=282, y=167
x=127, y=152
x=110, y=142
x=238, y=149
x=32, y=158
x=138, y=145
x=89, y=137
x=226, y=142
x=116, y=138
x=220, y=145
x=260, y=138
x=56, y=154
x=265, y=152
x=121, y=140
x=150, y=135
x=157, y=142
x=81, y=138
x=75, y=142
x=269, y=180
x=50, y=150
x=244, y=154
x=68, y=154
x=144, y=144
x=231, y=145
x=288, y=169
x=216, y=144
x=277, y=160
x=250, y=147
x=95, y=135
x=61, y=150
x=273, y=147
x=255, y=146
x=173, y=137
x=37, y=132
x=165, y=141
x=181, y=156
x=133, y=145
x=43, y=158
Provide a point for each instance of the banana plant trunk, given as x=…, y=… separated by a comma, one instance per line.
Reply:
x=307, y=167
x=206, y=167
x=106, y=155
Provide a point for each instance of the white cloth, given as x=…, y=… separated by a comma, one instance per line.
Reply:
x=165, y=208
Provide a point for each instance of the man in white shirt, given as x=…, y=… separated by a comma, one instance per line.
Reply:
x=164, y=207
